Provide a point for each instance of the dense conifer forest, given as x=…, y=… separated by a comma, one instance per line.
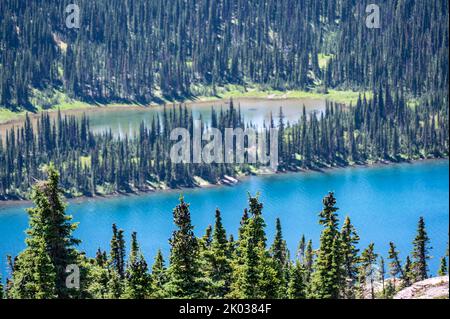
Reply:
x=215, y=265
x=142, y=51
x=382, y=128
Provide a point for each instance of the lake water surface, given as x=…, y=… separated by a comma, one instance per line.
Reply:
x=383, y=202
x=255, y=111
x=125, y=120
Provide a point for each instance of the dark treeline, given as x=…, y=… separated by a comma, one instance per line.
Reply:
x=213, y=266
x=140, y=51
x=90, y=162
x=382, y=128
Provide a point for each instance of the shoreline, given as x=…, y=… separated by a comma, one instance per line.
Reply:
x=336, y=96
x=135, y=107
x=240, y=179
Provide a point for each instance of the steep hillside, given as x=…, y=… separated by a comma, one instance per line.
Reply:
x=143, y=51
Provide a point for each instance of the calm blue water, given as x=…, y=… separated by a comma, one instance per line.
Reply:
x=384, y=204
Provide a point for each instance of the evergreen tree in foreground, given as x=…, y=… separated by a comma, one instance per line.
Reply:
x=350, y=240
x=367, y=272
x=40, y=270
x=280, y=255
x=34, y=273
x=301, y=249
x=184, y=271
x=327, y=275
x=98, y=277
x=395, y=267
x=408, y=273
x=115, y=285
x=118, y=251
x=420, y=252
x=297, y=285
x=443, y=270
x=254, y=273
x=218, y=263
x=382, y=275
x=137, y=283
x=308, y=263
x=159, y=277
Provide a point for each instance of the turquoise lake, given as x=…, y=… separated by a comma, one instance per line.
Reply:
x=384, y=204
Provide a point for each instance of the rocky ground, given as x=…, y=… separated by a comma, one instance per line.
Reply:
x=432, y=288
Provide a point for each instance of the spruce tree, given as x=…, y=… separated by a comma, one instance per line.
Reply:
x=390, y=290
x=367, y=270
x=158, y=277
x=309, y=262
x=50, y=245
x=218, y=267
x=115, y=284
x=268, y=285
x=327, y=276
x=395, y=267
x=301, y=249
x=231, y=248
x=101, y=258
x=204, y=254
x=98, y=278
x=243, y=222
x=443, y=270
x=382, y=273
x=297, y=286
x=205, y=241
x=408, y=273
x=137, y=278
x=184, y=272
x=117, y=253
x=280, y=255
x=254, y=273
x=350, y=258
x=34, y=275
x=420, y=252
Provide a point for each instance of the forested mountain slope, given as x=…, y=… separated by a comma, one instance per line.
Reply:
x=140, y=51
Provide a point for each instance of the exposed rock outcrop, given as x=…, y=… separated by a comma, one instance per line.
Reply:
x=432, y=288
